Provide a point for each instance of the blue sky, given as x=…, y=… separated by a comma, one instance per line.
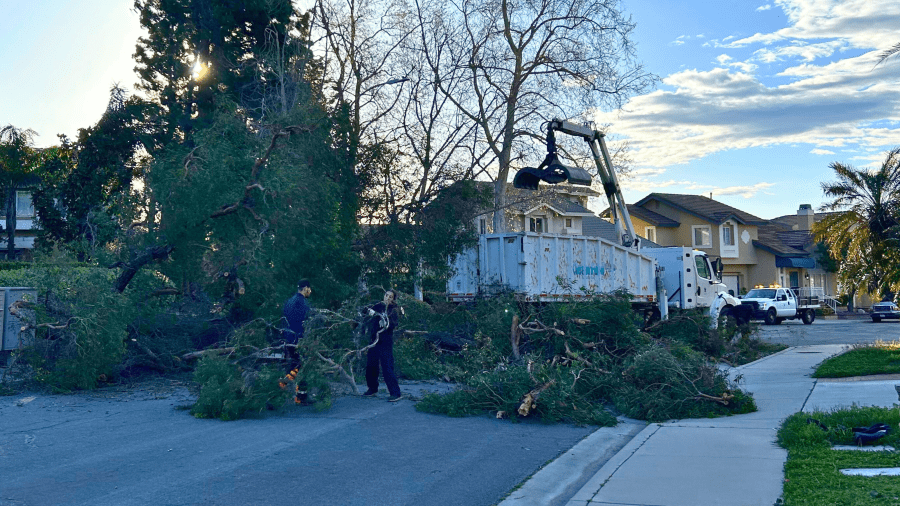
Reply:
x=758, y=98
x=755, y=98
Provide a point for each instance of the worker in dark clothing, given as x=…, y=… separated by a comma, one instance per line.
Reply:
x=381, y=338
x=296, y=311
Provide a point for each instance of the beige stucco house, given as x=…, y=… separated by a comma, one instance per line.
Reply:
x=754, y=251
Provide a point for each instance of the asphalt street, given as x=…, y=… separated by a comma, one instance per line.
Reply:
x=822, y=331
x=137, y=445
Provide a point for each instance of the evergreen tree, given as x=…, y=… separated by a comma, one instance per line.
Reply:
x=86, y=183
x=197, y=49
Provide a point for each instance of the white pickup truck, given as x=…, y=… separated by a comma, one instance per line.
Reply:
x=775, y=304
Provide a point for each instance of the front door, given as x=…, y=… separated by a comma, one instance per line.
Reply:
x=795, y=279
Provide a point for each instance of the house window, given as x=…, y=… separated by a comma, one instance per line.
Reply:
x=728, y=245
x=536, y=225
x=702, y=236
x=650, y=234
x=568, y=222
x=728, y=235
x=482, y=226
x=24, y=207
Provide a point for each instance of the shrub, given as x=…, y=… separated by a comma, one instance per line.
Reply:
x=229, y=392
x=86, y=341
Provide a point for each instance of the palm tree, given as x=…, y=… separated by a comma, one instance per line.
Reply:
x=862, y=230
x=888, y=53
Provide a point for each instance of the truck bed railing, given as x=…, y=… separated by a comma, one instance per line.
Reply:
x=812, y=296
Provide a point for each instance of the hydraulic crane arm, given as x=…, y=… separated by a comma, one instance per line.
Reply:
x=617, y=207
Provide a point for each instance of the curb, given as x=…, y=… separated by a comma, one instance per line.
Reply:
x=555, y=483
x=590, y=489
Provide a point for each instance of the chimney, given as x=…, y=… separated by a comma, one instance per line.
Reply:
x=806, y=216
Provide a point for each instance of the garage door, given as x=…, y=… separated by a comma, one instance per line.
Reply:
x=732, y=282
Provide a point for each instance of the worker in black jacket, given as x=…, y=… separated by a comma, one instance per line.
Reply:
x=296, y=311
x=381, y=352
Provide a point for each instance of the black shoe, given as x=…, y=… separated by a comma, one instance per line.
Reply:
x=369, y=393
x=395, y=398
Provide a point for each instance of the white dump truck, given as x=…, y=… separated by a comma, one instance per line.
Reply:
x=548, y=267
x=553, y=268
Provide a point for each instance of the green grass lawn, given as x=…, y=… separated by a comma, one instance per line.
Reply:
x=812, y=472
x=879, y=358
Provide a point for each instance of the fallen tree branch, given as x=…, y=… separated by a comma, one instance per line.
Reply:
x=15, y=307
x=573, y=356
x=537, y=326
x=202, y=353
x=530, y=399
x=131, y=268
x=344, y=374
x=515, y=335
x=165, y=291
x=724, y=400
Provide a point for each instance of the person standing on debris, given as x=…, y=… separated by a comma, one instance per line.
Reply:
x=296, y=311
x=381, y=340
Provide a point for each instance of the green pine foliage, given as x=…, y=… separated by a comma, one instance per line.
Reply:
x=230, y=392
x=86, y=335
x=595, y=363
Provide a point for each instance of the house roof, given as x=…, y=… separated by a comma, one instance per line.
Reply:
x=792, y=220
x=703, y=207
x=778, y=241
x=525, y=201
x=598, y=227
x=776, y=236
x=649, y=216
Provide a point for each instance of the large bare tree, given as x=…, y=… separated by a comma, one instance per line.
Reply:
x=524, y=62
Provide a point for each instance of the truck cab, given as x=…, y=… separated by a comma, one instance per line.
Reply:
x=690, y=278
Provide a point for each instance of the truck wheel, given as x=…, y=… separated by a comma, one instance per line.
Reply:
x=771, y=317
x=725, y=314
x=742, y=315
x=779, y=320
x=809, y=316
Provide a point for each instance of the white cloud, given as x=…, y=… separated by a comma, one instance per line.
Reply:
x=723, y=59
x=649, y=186
x=722, y=109
x=819, y=151
x=800, y=49
x=864, y=24
x=748, y=192
x=648, y=172
x=646, y=185
x=764, y=7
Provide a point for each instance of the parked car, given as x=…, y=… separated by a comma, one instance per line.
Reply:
x=885, y=311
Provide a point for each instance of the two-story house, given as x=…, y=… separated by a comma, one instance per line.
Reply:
x=560, y=209
x=754, y=251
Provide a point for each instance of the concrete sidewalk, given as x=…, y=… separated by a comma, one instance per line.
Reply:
x=722, y=461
